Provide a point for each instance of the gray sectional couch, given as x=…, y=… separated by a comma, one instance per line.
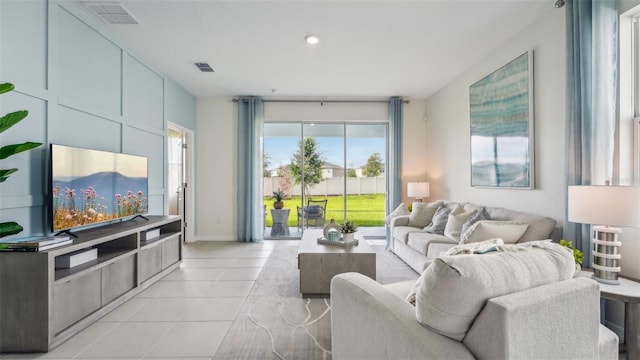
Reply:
x=418, y=248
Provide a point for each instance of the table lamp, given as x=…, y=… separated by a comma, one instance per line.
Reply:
x=605, y=207
x=418, y=190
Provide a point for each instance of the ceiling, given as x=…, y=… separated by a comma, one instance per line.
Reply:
x=367, y=49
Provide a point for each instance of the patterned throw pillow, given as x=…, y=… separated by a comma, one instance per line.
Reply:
x=399, y=211
x=457, y=218
x=421, y=213
x=439, y=221
x=481, y=214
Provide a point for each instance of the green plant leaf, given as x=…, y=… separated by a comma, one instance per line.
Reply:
x=9, y=228
x=11, y=119
x=4, y=173
x=6, y=87
x=9, y=150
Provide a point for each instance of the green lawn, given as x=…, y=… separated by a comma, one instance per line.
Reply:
x=364, y=210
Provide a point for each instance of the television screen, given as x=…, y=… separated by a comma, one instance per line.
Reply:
x=92, y=186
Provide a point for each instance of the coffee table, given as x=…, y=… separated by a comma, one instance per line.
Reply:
x=319, y=263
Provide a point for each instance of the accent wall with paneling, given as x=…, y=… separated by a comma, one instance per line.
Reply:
x=82, y=89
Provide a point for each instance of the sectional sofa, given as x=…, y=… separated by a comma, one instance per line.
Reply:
x=417, y=240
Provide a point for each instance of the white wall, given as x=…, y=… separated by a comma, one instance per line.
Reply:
x=216, y=162
x=448, y=141
x=215, y=169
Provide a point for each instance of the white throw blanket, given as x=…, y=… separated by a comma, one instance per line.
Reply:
x=483, y=247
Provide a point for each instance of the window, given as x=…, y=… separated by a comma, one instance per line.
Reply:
x=628, y=139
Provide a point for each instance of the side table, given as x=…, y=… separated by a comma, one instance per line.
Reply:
x=280, y=225
x=628, y=291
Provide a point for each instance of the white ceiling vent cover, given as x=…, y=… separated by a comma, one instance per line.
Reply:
x=111, y=12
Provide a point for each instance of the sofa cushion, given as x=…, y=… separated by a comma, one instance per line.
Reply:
x=421, y=213
x=439, y=221
x=419, y=241
x=540, y=227
x=457, y=218
x=454, y=289
x=402, y=232
x=399, y=211
x=480, y=214
x=509, y=231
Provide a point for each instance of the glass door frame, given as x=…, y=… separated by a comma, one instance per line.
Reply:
x=344, y=124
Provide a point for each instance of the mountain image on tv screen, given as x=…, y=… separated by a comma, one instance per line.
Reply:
x=91, y=186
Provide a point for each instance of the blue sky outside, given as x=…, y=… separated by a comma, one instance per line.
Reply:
x=281, y=148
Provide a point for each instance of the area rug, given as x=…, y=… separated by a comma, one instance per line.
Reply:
x=275, y=322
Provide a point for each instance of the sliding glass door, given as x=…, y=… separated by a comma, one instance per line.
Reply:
x=326, y=170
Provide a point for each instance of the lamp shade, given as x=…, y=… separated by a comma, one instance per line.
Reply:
x=418, y=190
x=604, y=205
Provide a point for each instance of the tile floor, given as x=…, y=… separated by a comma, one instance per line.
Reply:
x=183, y=316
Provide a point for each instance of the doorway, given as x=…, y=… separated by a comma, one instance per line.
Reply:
x=339, y=166
x=180, y=177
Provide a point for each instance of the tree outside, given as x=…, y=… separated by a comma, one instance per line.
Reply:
x=312, y=171
x=374, y=166
x=351, y=173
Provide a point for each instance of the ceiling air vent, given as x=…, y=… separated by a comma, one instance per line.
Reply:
x=204, y=67
x=111, y=12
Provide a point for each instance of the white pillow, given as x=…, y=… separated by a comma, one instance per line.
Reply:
x=457, y=218
x=399, y=211
x=421, y=213
x=509, y=231
x=453, y=290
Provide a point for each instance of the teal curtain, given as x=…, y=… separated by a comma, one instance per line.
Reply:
x=592, y=57
x=395, y=162
x=249, y=192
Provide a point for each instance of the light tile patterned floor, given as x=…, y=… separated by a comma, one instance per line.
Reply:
x=183, y=316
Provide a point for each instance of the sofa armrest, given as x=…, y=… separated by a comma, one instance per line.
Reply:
x=402, y=220
x=534, y=323
x=370, y=322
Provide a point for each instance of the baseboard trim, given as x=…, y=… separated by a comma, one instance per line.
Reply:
x=215, y=238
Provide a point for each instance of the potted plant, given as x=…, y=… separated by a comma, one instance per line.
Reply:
x=348, y=229
x=7, y=121
x=278, y=196
x=577, y=254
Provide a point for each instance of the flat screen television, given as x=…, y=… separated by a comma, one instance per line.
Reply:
x=91, y=186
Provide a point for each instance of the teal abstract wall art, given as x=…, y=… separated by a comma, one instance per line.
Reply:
x=501, y=114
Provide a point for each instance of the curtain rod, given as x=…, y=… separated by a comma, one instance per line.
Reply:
x=326, y=101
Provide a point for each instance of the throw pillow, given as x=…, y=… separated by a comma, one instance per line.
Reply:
x=457, y=218
x=399, y=211
x=509, y=231
x=439, y=221
x=421, y=213
x=481, y=214
x=453, y=290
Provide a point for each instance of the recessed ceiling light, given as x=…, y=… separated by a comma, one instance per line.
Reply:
x=311, y=39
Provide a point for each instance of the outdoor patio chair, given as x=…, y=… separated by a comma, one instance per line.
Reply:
x=314, y=213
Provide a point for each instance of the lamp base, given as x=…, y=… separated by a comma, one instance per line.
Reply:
x=605, y=254
x=605, y=281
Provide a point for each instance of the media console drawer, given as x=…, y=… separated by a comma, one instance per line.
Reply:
x=75, y=299
x=118, y=278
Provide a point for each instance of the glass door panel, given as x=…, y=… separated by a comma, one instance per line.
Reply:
x=324, y=180
x=281, y=142
x=366, y=159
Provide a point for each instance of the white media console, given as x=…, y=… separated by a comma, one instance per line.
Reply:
x=41, y=305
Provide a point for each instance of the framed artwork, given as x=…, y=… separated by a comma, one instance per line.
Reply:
x=501, y=114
